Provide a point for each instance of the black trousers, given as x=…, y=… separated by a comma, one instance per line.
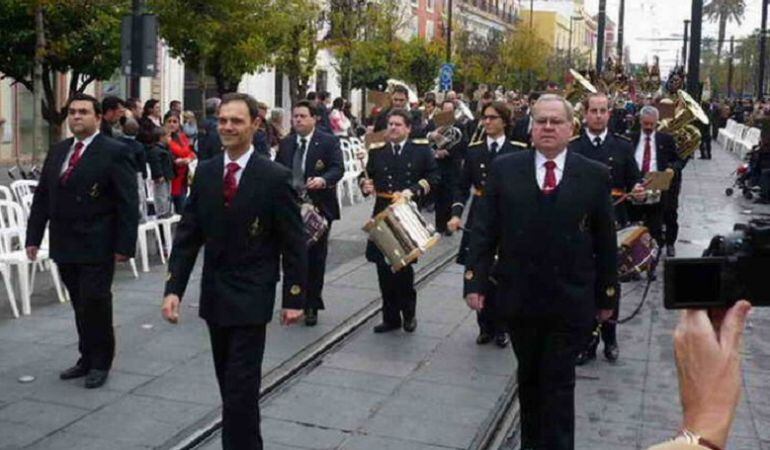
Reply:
x=651, y=216
x=316, y=270
x=671, y=211
x=444, y=192
x=90, y=286
x=399, y=299
x=546, y=350
x=705, y=148
x=488, y=318
x=238, y=355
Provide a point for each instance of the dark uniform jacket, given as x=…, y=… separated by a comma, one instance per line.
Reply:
x=96, y=213
x=665, y=151
x=556, y=252
x=615, y=152
x=522, y=131
x=323, y=159
x=414, y=169
x=474, y=173
x=161, y=162
x=243, y=243
x=138, y=155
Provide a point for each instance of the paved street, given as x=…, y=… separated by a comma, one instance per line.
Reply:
x=428, y=390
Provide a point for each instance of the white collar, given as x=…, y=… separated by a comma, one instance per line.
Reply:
x=644, y=135
x=500, y=142
x=242, y=160
x=592, y=137
x=307, y=138
x=87, y=141
x=540, y=159
x=401, y=144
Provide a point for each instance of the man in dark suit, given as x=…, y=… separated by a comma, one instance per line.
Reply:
x=448, y=161
x=478, y=160
x=113, y=109
x=243, y=208
x=88, y=195
x=615, y=152
x=657, y=151
x=547, y=215
x=315, y=160
x=399, y=99
x=522, y=130
x=399, y=168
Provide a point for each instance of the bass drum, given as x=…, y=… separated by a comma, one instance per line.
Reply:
x=637, y=252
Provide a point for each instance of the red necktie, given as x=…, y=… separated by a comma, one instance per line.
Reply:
x=647, y=155
x=74, y=160
x=550, y=177
x=230, y=183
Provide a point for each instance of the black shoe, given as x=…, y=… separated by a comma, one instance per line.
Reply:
x=385, y=327
x=611, y=352
x=670, y=251
x=501, y=340
x=96, y=378
x=484, y=338
x=410, y=325
x=311, y=317
x=585, y=357
x=73, y=372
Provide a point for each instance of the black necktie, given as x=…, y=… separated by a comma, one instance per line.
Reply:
x=397, y=150
x=298, y=174
x=493, y=148
x=597, y=141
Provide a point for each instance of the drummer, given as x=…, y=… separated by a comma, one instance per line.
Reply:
x=615, y=151
x=399, y=168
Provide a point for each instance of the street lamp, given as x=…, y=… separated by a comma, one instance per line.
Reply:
x=569, y=47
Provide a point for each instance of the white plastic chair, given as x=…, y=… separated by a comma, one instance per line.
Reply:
x=150, y=226
x=168, y=232
x=18, y=258
x=6, y=193
x=21, y=188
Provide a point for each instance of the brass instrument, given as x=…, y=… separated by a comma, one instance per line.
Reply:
x=575, y=93
x=446, y=138
x=686, y=135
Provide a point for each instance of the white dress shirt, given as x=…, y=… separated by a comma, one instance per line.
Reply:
x=639, y=156
x=500, y=142
x=307, y=139
x=592, y=137
x=242, y=161
x=401, y=145
x=540, y=170
x=86, y=142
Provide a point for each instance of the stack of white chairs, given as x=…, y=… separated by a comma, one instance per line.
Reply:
x=743, y=144
x=151, y=225
x=348, y=185
x=727, y=133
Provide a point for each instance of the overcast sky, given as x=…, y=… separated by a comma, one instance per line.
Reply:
x=665, y=19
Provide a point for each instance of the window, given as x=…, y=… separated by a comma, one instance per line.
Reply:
x=414, y=26
x=430, y=30
x=430, y=4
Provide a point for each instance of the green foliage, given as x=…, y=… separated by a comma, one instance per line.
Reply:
x=82, y=36
x=419, y=62
x=227, y=38
x=298, y=49
x=724, y=11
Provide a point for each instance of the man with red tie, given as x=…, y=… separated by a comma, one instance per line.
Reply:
x=88, y=195
x=245, y=211
x=547, y=215
x=655, y=151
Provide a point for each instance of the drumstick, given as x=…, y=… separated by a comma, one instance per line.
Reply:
x=626, y=195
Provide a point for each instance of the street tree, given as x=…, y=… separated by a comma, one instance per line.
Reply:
x=225, y=39
x=724, y=11
x=82, y=38
x=419, y=62
x=521, y=52
x=299, y=44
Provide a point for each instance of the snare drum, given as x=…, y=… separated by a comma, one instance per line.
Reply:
x=637, y=252
x=315, y=223
x=401, y=234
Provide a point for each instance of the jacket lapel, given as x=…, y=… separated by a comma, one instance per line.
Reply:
x=245, y=185
x=568, y=186
x=527, y=181
x=312, y=154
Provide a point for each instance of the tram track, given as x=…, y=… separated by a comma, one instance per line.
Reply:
x=200, y=433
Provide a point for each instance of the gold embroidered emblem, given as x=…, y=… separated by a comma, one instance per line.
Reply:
x=295, y=290
x=469, y=275
x=610, y=291
x=319, y=165
x=254, y=227
x=95, y=190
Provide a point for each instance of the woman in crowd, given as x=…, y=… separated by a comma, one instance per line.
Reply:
x=183, y=154
x=340, y=122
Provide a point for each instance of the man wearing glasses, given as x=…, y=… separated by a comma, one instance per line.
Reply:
x=546, y=215
x=496, y=120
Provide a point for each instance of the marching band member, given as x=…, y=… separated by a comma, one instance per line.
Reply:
x=495, y=118
x=547, y=216
x=315, y=160
x=448, y=160
x=402, y=167
x=654, y=151
x=616, y=152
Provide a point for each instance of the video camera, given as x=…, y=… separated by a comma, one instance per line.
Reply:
x=732, y=268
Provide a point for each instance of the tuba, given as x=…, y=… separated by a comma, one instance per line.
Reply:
x=681, y=127
x=575, y=93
